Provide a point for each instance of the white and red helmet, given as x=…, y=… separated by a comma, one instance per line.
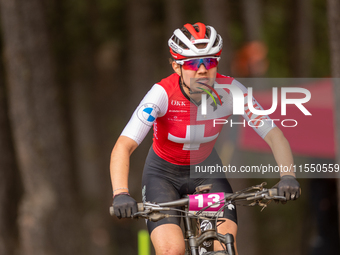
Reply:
x=183, y=43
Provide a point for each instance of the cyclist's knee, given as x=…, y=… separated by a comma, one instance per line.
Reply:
x=170, y=248
x=228, y=226
x=170, y=251
x=168, y=240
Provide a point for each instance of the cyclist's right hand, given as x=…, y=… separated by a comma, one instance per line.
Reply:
x=124, y=206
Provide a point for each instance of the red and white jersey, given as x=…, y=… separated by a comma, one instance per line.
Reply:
x=182, y=135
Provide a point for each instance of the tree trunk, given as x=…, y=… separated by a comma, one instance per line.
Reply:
x=140, y=50
x=302, y=38
x=251, y=13
x=251, y=59
x=334, y=32
x=173, y=16
x=48, y=220
x=10, y=186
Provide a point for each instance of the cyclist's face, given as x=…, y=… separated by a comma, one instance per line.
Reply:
x=194, y=79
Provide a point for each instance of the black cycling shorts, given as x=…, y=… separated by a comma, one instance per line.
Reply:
x=163, y=182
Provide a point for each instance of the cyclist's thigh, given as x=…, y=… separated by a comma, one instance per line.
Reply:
x=158, y=189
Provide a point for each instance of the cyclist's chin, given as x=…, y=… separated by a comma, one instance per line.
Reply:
x=197, y=90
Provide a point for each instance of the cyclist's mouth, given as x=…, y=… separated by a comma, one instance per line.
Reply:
x=203, y=81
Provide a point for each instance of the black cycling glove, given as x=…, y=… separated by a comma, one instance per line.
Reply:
x=288, y=187
x=124, y=206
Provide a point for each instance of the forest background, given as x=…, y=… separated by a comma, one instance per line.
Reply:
x=73, y=71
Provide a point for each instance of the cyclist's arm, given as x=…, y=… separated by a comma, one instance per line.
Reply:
x=120, y=161
x=153, y=105
x=281, y=150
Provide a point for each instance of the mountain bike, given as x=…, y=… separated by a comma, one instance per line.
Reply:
x=202, y=213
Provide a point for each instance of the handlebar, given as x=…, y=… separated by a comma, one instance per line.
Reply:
x=152, y=210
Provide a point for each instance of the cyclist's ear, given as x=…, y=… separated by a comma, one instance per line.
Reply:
x=177, y=68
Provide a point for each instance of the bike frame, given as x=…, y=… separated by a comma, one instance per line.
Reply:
x=197, y=244
x=204, y=242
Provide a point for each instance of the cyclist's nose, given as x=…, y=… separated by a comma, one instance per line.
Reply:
x=202, y=69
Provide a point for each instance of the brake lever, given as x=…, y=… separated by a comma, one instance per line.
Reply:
x=258, y=200
x=260, y=186
x=139, y=215
x=153, y=216
x=279, y=198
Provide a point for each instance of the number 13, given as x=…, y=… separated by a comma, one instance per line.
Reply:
x=214, y=204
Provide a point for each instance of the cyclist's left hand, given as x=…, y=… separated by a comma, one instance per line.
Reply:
x=289, y=187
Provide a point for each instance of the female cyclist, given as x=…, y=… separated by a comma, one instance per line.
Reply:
x=184, y=136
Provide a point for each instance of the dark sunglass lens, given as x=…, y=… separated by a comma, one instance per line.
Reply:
x=210, y=63
x=191, y=64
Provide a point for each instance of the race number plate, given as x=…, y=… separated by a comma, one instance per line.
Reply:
x=213, y=202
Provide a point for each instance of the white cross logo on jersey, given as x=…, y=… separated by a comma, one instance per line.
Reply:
x=193, y=138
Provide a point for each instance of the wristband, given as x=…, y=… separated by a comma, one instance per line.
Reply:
x=287, y=176
x=119, y=189
x=123, y=193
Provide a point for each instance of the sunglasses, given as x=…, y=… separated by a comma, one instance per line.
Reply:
x=194, y=64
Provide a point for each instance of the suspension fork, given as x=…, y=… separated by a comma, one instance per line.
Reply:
x=190, y=237
x=206, y=225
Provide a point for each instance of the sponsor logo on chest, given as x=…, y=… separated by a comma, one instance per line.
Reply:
x=178, y=103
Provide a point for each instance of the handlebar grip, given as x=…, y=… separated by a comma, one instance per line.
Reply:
x=140, y=208
x=273, y=192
